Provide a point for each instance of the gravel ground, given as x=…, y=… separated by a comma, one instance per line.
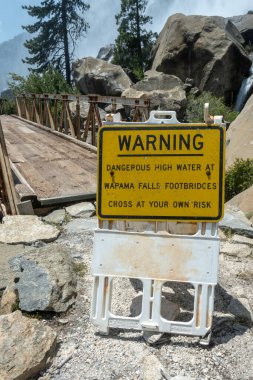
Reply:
x=83, y=354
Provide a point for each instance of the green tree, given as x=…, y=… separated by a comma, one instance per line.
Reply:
x=59, y=26
x=50, y=81
x=134, y=43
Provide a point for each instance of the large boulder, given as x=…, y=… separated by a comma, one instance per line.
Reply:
x=96, y=76
x=45, y=279
x=240, y=135
x=26, y=345
x=205, y=49
x=244, y=201
x=164, y=91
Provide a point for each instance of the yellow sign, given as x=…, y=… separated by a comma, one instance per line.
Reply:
x=154, y=172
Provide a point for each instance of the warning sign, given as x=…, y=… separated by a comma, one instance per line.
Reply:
x=173, y=172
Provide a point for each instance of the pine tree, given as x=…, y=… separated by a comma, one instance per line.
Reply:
x=59, y=25
x=134, y=43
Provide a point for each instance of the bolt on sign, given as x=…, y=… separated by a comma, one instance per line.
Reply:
x=154, y=172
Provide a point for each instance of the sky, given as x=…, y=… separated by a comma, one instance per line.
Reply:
x=101, y=17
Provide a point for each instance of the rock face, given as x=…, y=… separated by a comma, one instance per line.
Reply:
x=96, y=76
x=205, y=49
x=244, y=202
x=163, y=91
x=106, y=53
x=26, y=344
x=240, y=135
x=45, y=279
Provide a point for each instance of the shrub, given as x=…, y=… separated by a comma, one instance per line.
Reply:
x=7, y=107
x=238, y=177
x=195, y=108
x=50, y=81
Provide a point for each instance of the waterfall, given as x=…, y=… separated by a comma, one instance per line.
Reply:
x=246, y=86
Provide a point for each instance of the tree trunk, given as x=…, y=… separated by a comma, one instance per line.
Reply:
x=65, y=41
x=139, y=36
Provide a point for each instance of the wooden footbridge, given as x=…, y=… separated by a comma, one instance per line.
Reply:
x=50, y=160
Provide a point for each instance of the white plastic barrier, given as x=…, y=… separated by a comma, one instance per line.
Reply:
x=156, y=253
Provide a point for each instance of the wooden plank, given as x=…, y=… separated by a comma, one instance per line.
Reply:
x=7, y=180
x=54, y=166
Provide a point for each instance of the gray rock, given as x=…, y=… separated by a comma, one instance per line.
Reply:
x=7, y=252
x=96, y=76
x=165, y=92
x=237, y=222
x=81, y=209
x=233, y=249
x=205, y=49
x=26, y=345
x=78, y=226
x=26, y=229
x=45, y=279
x=151, y=368
x=55, y=217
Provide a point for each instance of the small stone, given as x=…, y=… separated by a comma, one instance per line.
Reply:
x=79, y=226
x=55, y=217
x=81, y=209
x=63, y=321
x=151, y=369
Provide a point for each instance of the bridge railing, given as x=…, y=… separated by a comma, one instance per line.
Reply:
x=54, y=111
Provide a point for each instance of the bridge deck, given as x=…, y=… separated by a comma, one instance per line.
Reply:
x=49, y=166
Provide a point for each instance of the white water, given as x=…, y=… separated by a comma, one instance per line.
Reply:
x=246, y=85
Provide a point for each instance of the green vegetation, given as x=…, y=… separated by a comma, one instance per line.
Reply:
x=7, y=107
x=134, y=43
x=59, y=26
x=195, y=108
x=238, y=177
x=80, y=269
x=50, y=81
x=33, y=315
